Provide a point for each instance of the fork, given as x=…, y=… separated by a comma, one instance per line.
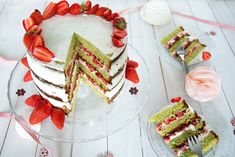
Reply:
x=181, y=53
x=195, y=145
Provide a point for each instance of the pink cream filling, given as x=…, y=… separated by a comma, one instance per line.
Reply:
x=172, y=41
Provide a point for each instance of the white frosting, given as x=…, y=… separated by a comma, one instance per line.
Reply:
x=190, y=127
x=118, y=64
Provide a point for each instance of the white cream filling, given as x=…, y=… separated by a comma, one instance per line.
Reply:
x=177, y=134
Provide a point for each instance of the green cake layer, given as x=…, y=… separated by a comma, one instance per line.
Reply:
x=177, y=44
x=171, y=35
x=191, y=55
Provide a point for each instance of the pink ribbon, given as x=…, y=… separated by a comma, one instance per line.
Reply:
x=23, y=124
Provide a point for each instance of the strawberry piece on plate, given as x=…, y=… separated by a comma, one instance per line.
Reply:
x=35, y=29
x=119, y=34
x=176, y=99
x=117, y=42
x=93, y=9
x=132, y=64
x=206, y=56
x=28, y=40
x=132, y=75
x=50, y=11
x=62, y=8
x=37, y=17
x=33, y=101
x=38, y=41
x=119, y=22
x=112, y=16
x=75, y=9
x=43, y=54
x=27, y=23
x=58, y=117
x=41, y=112
x=27, y=77
x=24, y=61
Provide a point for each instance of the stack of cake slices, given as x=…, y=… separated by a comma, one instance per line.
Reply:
x=195, y=51
x=177, y=122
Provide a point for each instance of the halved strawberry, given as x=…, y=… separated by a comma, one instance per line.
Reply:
x=62, y=8
x=159, y=127
x=75, y=9
x=86, y=6
x=58, y=117
x=100, y=11
x=167, y=121
x=132, y=75
x=132, y=64
x=50, y=11
x=119, y=22
x=112, y=16
x=28, y=40
x=119, y=34
x=107, y=12
x=27, y=76
x=176, y=99
x=179, y=114
x=206, y=56
x=117, y=42
x=38, y=41
x=41, y=112
x=43, y=54
x=27, y=23
x=33, y=100
x=93, y=9
x=25, y=62
x=35, y=29
x=37, y=17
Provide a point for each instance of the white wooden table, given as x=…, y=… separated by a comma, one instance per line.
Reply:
x=166, y=81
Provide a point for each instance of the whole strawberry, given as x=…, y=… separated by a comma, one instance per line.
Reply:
x=119, y=22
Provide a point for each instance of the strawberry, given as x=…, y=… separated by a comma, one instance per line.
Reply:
x=35, y=29
x=38, y=41
x=117, y=42
x=27, y=76
x=176, y=99
x=112, y=16
x=50, y=11
x=172, y=119
x=159, y=127
x=41, y=112
x=37, y=17
x=100, y=11
x=58, y=117
x=86, y=6
x=107, y=12
x=28, y=40
x=27, y=23
x=62, y=8
x=33, y=101
x=75, y=9
x=132, y=75
x=119, y=22
x=93, y=9
x=43, y=54
x=206, y=56
x=167, y=121
x=179, y=114
x=25, y=62
x=132, y=64
x=119, y=34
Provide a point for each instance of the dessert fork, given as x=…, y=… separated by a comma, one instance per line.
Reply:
x=181, y=53
x=195, y=145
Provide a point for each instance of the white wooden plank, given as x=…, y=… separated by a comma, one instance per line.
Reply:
x=231, y=6
x=2, y=4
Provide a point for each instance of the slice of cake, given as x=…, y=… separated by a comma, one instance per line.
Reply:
x=177, y=122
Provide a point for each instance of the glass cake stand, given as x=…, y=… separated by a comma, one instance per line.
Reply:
x=213, y=118
x=92, y=118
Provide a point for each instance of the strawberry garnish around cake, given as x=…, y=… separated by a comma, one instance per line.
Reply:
x=38, y=41
x=27, y=77
x=100, y=11
x=206, y=56
x=107, y=12
x=119, y=34
x=117, y=42
x=34, y=100
x=119, y=22
x=176, y=99
x=35, y=29
x=27, y=23
x=43, y=54
x=24, y=61
x=112, y=16
x=41, y=112
x=37, y=17
x=92, y=10
x=58, y=117
x=86, y=6
x=50, y=11
x=28, y=40
x=62, y=8
x=75, y=9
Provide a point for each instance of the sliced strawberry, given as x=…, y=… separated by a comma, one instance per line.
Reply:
x=75, y=9
x=38, y=41
x=119, y=34
x=41, y=112
x=172, y=119
x=176, y=99
x=37, y=17
x=27, y=23
x=50, y=11
x=28, y=40
x=24, y=61
x=167, y=121
x=27, y=77
x=35, y=29
x=107, y=12
x=119, y=22
x=206, y=56
x=33, y=101
x=179, y=114
x=159, y=127
x=132, y=64
x=100, y=11
x=117, y=42
x=43, y=54
x=132, y=75
x=93, y=9
x=112, y=16
x=62, y=8
x=86, y=6
x=58, y=117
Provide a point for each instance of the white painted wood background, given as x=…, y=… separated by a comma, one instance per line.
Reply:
x=165, y=82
